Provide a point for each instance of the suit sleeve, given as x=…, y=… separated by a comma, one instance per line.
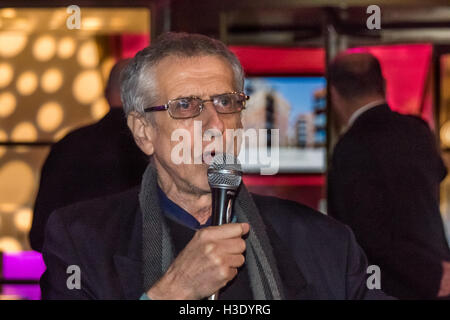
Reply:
x=59, y=253
x=358, y=277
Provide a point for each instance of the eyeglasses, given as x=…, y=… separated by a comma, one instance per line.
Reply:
x=190, y=107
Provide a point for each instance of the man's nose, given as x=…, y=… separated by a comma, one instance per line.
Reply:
x=212, y=118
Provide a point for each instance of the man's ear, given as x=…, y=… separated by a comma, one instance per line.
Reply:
x=142, y=132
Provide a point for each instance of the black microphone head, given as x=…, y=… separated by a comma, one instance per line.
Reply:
x=225, y=172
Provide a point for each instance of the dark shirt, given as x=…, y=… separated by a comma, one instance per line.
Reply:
x=182, y=227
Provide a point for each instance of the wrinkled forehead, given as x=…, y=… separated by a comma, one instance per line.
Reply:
x=199, y=75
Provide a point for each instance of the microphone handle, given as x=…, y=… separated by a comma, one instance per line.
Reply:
x=222, y=204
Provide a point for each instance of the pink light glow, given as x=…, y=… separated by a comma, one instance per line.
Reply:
x=405, y=68
x=260, y=60
x=25, y=265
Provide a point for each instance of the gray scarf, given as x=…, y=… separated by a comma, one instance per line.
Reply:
x=157, y=245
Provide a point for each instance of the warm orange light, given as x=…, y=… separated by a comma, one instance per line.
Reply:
x=66, y=47
x=88, y=55
x=8, y=13
x=12, y=43
x=27, y=83
x=7, y=104
x=50, y=116
x=24, y=131
x=6, y=74
x=445, y=134
x=51, y=80
x=87, y=86
x=9, y=244
x=3, y=137
x=99, y=108
x=23, y=218
x=44, y=48
x=107, y=65
x=16, y=185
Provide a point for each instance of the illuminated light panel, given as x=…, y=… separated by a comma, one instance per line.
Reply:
x=51, y=80
x=61, y=133
x=66, y=47
x=91, y=23
x=16, y=185
x=50, y=116
x=99, y=108
x=12, y=43
x=445, y=134
x=9, y=244
x=7, y=104
x=27, y=83
x=87, y=86
x=23, y=219
x=24, y=131
x=88, y=55
x=6, y=74
x=8, y=13
x=3, y=137
x=44, y=48
x=106, y=67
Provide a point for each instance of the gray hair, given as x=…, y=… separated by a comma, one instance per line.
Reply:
x=138, y=85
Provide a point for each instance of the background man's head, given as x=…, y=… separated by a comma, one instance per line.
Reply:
x=179, y=65
x=112, y=90
x=355, y=79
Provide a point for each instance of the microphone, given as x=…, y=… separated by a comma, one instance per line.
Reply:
x=224, y=178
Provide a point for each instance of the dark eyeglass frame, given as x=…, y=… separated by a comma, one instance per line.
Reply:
x=201, y=107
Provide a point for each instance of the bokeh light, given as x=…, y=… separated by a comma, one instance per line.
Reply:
x=8, y=13
x=87, y=86
x=91, y=23
x=7, y=104
x=106, y=67
x=88, y=54
x=24, y=131
x=27, y=83
x=61, y=133
x=99, y=108
x=6, y=74
x=23, y=218
x=44, y=48
x=9, y=244
x=66, y=47
x=16, y=185
x=445, y=134
x=51, y=80
x=3, y=137
x=12, y=43
x=50, y=116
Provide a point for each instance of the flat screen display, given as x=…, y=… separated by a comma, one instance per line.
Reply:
x=289, y=114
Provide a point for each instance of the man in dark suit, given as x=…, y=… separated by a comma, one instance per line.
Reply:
x=157, y=242
x=384, y=181
x=89, y=162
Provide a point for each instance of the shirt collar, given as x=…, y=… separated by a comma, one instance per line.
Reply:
x=363, y=109
x=174, y=212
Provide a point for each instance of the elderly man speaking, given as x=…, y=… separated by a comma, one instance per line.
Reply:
x=156, y=240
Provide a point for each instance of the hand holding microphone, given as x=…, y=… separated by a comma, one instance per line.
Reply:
x=211, y=259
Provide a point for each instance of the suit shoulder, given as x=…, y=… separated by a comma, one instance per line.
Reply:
x=290, y=215
x=99, y=212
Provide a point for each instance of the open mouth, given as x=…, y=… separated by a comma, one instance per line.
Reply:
x=208, y=157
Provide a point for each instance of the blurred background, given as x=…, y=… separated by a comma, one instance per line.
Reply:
x=52, y=81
